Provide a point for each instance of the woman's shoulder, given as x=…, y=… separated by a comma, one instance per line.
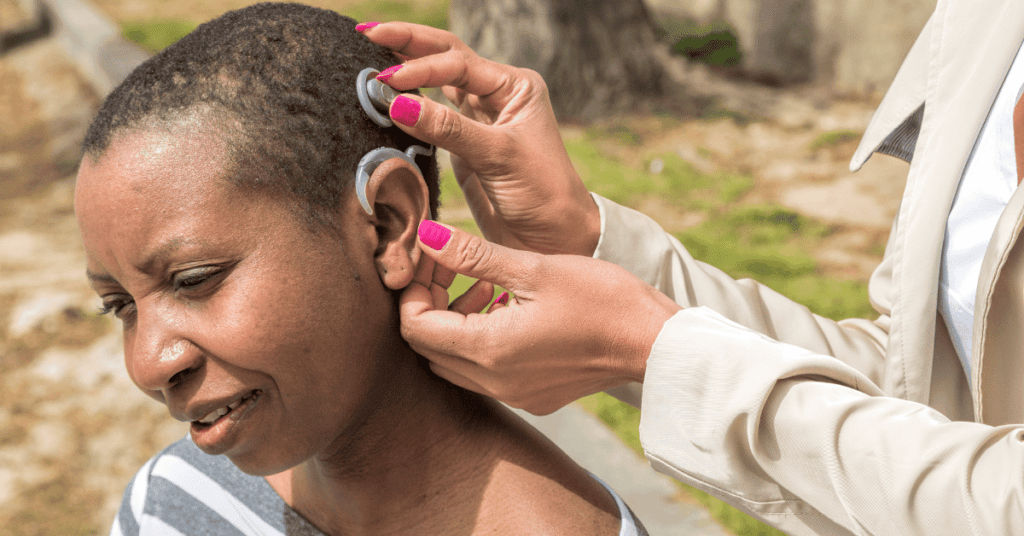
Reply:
x=183, y=490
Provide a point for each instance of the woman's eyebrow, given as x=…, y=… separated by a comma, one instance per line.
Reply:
x=100, y=278
x=158, y=254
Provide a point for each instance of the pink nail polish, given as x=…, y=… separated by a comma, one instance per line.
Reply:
x=386, y=74
x=503, y=299
x=434, y=235
x=365, y=26
x=405, y=111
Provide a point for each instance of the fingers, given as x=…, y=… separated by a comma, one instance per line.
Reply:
x=443, y=277
x=474, y=300
x=477, y=258
x=424, y=271
x=456, y=378
x=439, y=125
x=422, y=298
x=452, y=63
x=500, y=302
x=412, y=40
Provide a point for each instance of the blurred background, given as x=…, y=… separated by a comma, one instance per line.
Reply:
x=730, y=122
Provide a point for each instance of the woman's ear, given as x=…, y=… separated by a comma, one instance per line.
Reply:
x=400, y=201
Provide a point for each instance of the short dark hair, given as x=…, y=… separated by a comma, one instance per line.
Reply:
x=283, y=77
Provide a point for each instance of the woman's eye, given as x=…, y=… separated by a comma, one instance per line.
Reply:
x=118, y=304
x=196, y=278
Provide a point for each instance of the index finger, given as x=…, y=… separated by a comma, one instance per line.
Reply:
x=438, y=58
x=432, y=331
x=413, y=40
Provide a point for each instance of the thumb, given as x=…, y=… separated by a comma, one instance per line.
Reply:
x=475, y=257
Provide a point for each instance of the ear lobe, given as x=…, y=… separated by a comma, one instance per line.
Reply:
x=400, y=200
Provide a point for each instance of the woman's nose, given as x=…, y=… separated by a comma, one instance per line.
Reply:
x=158, y=356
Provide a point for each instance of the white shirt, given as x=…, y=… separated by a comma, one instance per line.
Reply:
x=989, y=180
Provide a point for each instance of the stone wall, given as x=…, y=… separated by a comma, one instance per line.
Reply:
x=853, y=47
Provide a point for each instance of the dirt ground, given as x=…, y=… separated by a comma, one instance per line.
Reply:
x=73, y=429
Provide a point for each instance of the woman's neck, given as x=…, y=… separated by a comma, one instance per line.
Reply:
x=419, y=458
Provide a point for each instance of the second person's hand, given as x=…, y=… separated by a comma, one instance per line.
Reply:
x=506, y=148
x=576, y=325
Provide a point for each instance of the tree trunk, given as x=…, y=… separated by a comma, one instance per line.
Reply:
x=597, y=56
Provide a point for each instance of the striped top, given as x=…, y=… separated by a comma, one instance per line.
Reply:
x=184, y=491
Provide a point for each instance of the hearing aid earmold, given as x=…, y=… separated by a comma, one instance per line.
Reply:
x=375, y=97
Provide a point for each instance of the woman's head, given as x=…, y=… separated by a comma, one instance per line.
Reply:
x=279, y=82
x=219, y=227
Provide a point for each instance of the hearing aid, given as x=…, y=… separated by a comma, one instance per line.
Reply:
x=375, y=97
x=378, y=156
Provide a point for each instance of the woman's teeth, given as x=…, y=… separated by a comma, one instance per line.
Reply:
x=220, y=412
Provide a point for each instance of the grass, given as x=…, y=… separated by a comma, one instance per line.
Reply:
x=833, y=138
x=156, y=35
x=430, y=12
x=678, y=182
x=713, y=44
x=770, y=244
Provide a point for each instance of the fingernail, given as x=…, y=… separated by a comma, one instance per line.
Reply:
x=386, y=74
x=503, y=299
x=434, y=235
x=365, y=26
x=405, y=111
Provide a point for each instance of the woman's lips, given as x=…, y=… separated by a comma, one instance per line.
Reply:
x=218, y=431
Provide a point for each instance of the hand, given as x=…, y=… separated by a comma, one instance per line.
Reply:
x=576, y=325
x=506, y=149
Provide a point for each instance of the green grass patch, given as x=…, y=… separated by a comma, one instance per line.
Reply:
x=451, y=193
x=156, y=35
x=714, y=112
x=833, y=138
x=713, y=44
x=770, y=244
x=430, y=13
x=678, y=182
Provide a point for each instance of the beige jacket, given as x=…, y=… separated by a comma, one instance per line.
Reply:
x=856, y=427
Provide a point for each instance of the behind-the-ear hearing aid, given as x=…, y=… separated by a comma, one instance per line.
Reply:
x=375, y=97
x=376, y=157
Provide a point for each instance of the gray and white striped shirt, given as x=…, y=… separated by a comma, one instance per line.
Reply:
x=184, y=491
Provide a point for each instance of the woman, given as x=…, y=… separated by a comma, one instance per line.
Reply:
x=217, y=205
x=901, y=425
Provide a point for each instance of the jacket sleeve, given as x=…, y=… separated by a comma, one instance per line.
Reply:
x=638, y=244
x=810, y=445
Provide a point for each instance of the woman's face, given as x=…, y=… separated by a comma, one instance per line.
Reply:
x=230, y=304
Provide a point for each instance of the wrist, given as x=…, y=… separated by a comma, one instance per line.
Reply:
x=662, y=310
x=583, y=227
